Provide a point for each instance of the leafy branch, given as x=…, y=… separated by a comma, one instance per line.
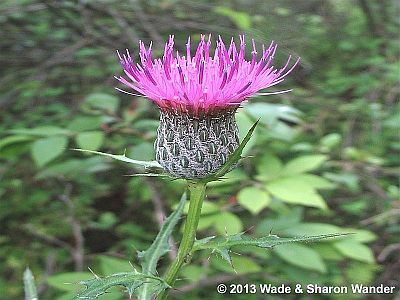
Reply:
x=223, y=245
x=130, y=280
x=145, y=283
x=159, y=247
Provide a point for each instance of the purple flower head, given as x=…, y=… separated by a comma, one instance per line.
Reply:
x=203, y=84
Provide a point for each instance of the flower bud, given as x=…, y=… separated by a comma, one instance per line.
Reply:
x=193, y=148
x=198, y=97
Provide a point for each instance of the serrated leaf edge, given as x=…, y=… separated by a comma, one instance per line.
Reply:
x=98, y=286
x=223, y=247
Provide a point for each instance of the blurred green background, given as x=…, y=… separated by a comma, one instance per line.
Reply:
x=323, y=160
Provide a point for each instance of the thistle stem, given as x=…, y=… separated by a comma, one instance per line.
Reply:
x=197, y=193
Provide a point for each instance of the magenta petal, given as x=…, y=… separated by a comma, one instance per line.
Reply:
x=203, y=84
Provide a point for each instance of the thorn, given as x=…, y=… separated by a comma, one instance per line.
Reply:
x=93, y=273
x=211, y=253
x=131, y=265
x=250, y=228
x=209, y=256
x=233, y=267
x=154, y=274
x=135, y=248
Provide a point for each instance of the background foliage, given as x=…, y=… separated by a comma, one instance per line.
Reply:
x=323, y=160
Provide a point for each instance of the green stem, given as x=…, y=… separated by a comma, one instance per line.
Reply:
x=197, y=192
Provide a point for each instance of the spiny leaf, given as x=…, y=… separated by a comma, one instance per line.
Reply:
x=159, y=247
x=29, y=286
x=234, y=157
x=47, y=149
x=223, y=245
x=130, y=280
x=146, y=164
x=147, y=175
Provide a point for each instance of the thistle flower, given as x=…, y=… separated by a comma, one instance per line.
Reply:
x=198, y=97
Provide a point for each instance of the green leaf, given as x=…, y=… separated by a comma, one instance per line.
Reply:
x=269, y=166
x=74, y=168
x=355, y=250
x=85, y=123
x=361, y=272
x=328, y=252
x=109, y=264
x=207, y=221
x=304, y=164
x=41, y=131
x=282, y=131
x=282, y=11
x=106, y=221
x=227, y=223
x=301, y=256
x=208, y=207
x=235, y=176
x=68, y=281
x=349, y=179
x=269, y=241
x=142, y=151
x=240, y=265
x=284, y=220
x=234, y=157
x=158, y=248
x=270, y=114
x=314, y=181
x=273, y=116
x=313, y=229
x=358, y=235
x=192, y=273
x=90, y=140
x=245, y=265
x=253, y=199
x=98, y=286
x=222, y=245
x=295, y=191
x=331, y=140
x=45, y=150
x=14, y=139
x=29, y=286
x=362, y=235
x=102, y=101
x=241, y=19
x=146, y=164
x=244, y=123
